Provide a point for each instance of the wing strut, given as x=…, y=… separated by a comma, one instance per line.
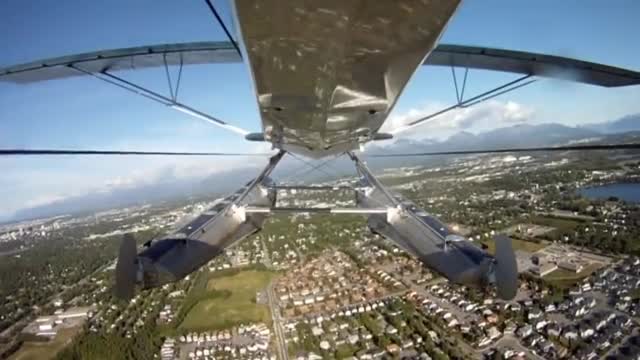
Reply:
x=364, y=172
x=224, y=28
x=490, y=94
x=159, y=98
x=459, y=94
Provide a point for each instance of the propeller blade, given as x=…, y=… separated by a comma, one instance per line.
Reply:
x=506, y=268
x=510, y=150
x=115, y=152
x=126, y=268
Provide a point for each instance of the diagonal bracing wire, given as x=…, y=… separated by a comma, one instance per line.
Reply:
x=510, y=86
x=334, y=172
x=166, y=69
x=223, y=26
x=13, y=152
x=310, y=167
x=157, y=97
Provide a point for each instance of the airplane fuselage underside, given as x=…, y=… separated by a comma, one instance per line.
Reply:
x=326, y=76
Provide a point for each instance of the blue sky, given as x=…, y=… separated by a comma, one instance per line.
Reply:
x=86, y=113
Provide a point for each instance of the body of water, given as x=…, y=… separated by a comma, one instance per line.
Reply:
x=629, y=192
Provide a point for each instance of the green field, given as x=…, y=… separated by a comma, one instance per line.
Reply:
x=524, y=245
x=45, y=350
x=238, y=307
x=565, y=278
x=561, y=224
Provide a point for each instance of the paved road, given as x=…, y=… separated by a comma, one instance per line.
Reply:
x=24, y=322
x=614, y=348
x=468, y=349
x=267, y=255
x=283, y=353
x=352, y=305
x=13, y=252
x=462, y=316
x=602, y=304
x=505, y=341
x=512, y=342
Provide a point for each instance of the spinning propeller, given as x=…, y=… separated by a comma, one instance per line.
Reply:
x=126, y=268
x=506, y=268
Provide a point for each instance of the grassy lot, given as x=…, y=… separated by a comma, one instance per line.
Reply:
x=563, y=225
x=565, y=278
x=45, y=350
x=236, y=308
x=524, y=245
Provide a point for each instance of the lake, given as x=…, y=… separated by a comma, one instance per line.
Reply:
x=629, y=192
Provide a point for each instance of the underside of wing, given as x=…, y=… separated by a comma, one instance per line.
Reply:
x=326, y=76
x=122, y=59
x=521, y=62
x=472, y=57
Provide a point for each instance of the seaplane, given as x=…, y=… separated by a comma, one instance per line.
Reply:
x=326, y=76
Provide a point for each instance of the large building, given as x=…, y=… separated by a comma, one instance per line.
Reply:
x=49, y=325
x=544, y=269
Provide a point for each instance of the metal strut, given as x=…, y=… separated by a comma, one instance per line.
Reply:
x=166, y=70
x=273, y=161
x=240, y=208
x=312, y=167
x=464, y=83
x=467, y=104
x=224, y=28
x=179, y=77
x=318, y=210
x=311, y=187
x=459, y=94
x=159, y=98
x=362, y=169
x=490, y=94
x=172, y=92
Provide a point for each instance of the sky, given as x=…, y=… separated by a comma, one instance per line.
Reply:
x=86, y=113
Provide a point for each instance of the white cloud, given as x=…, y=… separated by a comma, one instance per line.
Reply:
x=34, y=182
x=397, y=121
x=46, y=186
x=77, y=177
x=43, y=200
x=182, y=169
x=482, y=117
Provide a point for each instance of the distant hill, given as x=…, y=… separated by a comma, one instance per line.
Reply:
x=515, y=136
x=169, y=189
x=532, y=135
x=294, y=170
x=624, y=124
x=172, y=188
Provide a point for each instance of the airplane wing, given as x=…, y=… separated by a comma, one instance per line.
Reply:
x=121, y=59
x=527, y=63
x=472, y=57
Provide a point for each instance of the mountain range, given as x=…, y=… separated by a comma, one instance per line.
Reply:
x=170, y=188
x=624, y=124
x=523, y=135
